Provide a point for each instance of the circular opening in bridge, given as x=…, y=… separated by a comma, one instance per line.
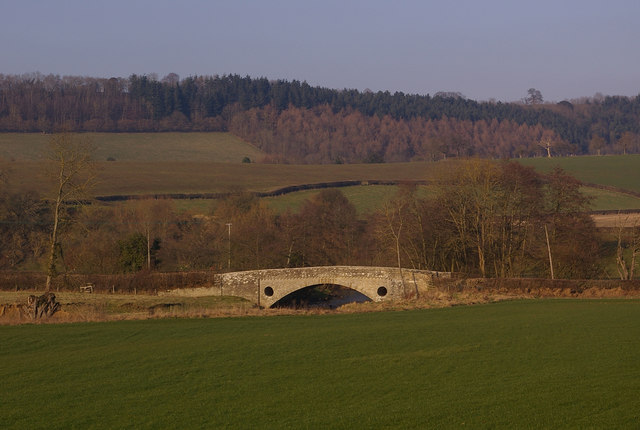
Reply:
x=382, y=291
x=268, y=291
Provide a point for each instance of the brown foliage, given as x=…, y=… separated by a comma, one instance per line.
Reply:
x=481, y=217
x=320, y=135
x=327, y=230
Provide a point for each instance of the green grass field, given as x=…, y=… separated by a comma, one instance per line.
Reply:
x=369, y=198
x=621, y=171
x=365, y=198
x=610, y=200
x=148, y=147
x=525, y=364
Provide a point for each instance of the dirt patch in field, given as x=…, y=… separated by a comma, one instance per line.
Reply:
x=625, y=220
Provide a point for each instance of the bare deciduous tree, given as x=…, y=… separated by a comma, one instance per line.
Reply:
x=534, y=97
x=632, y=243
x=73, y=174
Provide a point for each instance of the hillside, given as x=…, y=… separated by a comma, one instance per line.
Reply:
x=296, y=122
x=187, y=163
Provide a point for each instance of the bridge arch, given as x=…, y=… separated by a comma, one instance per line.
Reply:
x=320, y=295
x=277, y=290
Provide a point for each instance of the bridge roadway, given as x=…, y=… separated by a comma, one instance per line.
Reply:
x=266, y=287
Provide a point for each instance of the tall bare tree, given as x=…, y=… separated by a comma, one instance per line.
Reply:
x=393, y=220
x=72, y=173
x=628, y=235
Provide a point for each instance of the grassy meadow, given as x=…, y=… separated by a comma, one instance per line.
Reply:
x=365, y=198
x=620, y=171
x=610, y=200
x=522, y=364
x=148, y=147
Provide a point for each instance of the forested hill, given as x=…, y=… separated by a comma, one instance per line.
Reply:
x=296, y=122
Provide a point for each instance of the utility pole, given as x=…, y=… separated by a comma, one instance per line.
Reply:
x=229, y=247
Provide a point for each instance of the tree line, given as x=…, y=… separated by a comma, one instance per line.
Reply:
x=320, y=135
x=45, y=103
x=482, y=218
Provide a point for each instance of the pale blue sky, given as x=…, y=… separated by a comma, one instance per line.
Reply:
x=483, y=49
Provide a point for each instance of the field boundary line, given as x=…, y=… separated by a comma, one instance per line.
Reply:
x=273, y=193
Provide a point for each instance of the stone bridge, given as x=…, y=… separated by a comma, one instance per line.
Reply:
x=266, y=287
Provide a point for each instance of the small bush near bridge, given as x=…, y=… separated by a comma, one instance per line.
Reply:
x=529, y=364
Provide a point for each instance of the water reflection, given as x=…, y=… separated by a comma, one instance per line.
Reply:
x=326, y=296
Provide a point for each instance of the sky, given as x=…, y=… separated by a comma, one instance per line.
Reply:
x=484, y=49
